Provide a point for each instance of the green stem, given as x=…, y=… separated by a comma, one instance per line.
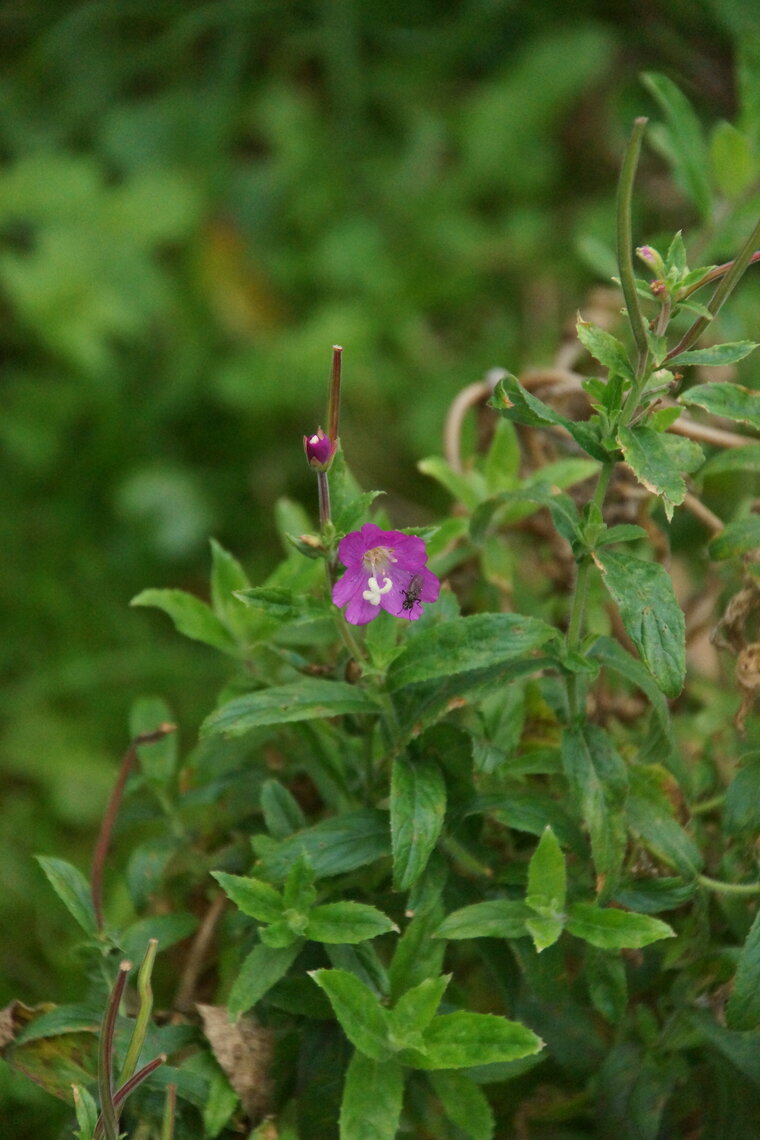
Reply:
x=728, y=888
x=142, y=1020
x=625, y=241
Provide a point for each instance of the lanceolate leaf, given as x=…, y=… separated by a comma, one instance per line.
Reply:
x=643, y=593
x=459, y=1040
x=598, y=782
x=418, y=806
x=729, y=400
x=364, y=1021
x=518, y=405
x=650, y=815
x=613, y=929
x=464, y=1103
x=494, y=918
x=743, y=1010
x=372, y=1097
x=72, y=889
x=252, y=896
x=261, y=970
x=736, y=538
x=716, y=355
x=333, y=846
x=605, y=348
x=646, y=456
x=347, y=922
x=191, y=616
x=306, y=699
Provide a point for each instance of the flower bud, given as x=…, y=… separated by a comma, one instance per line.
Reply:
x=319, y=449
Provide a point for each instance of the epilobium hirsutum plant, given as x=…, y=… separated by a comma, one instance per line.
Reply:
x=470, y=860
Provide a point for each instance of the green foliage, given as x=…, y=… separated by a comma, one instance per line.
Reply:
x=487, y=870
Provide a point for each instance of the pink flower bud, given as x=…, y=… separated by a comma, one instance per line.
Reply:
x=319, y=449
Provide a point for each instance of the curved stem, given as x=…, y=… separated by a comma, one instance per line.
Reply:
x=728, y=888
x=625, y=240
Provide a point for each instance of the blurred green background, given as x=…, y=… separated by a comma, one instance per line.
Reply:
x=196, y=201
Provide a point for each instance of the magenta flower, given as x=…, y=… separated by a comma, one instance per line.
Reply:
x=384, y=569
x=319, y=449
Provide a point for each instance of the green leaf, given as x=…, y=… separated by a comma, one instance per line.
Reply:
x=514, y=402
x=651, y=464
x=643, y=593
x=261, y=970
x=733, y=459
x=598, y=782
x=742, y=810
x=467, y=644
x=221, y=1101
x=227, y=578
x=613, y=929
x=469, y=488
x=418, y=807
x=611, y=655
x=531, y=497
x=605, y=976
x=650, y=814
x=307, y=699
x=282, y=604
x=299, y=892
x=731, y=401
x=415, y=1009
x=459, y=1040
x=253, y=897
x=495, y=918
x=158, y=760
x=547, y=877
x=333, y=846
x=417, y=956
x=340, y=922
x=372, y=1096
x=282, y=812
x=743, y=1009
x=734, y=166
x=168, y=929
x=685, y=143
x=544, y=930
x=735, y=539
x=191, y=616
x=86, y=1111
x=714, y=356
x=72, y=889
x=605, y=348
x=464, y=1103
x=502, y=465
x=364, y=1021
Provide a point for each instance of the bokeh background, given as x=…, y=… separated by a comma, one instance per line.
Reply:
x=197, y=199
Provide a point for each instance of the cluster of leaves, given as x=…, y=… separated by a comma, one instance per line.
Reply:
x=447, y=848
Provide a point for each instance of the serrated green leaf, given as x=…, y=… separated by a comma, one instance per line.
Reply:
x=547, y=877
x=364, y=1021
x=459, y=1040
x=729, y=400
x=605, y=348
x=650, y=462
x=191, y=616
x=495, y=918
x=282, y=604
x=467, y=644
x=350, y=922
x=643, y=593
x=418, y=807
x=464, y=1103
x=598, y=782
x=514, y=402
x=417, y=956
x=623, y=532
x=261, y=970
x=72, y=889
x=686, y=455
x=308, y=699
x=299, y=892
x=743, y=1009
x=735, y=539
x=521, y=504
x=544, y=931
x=372, y=1097
x=714, y=356
x=333, y=846
x=613, y=929
x=253, y=897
